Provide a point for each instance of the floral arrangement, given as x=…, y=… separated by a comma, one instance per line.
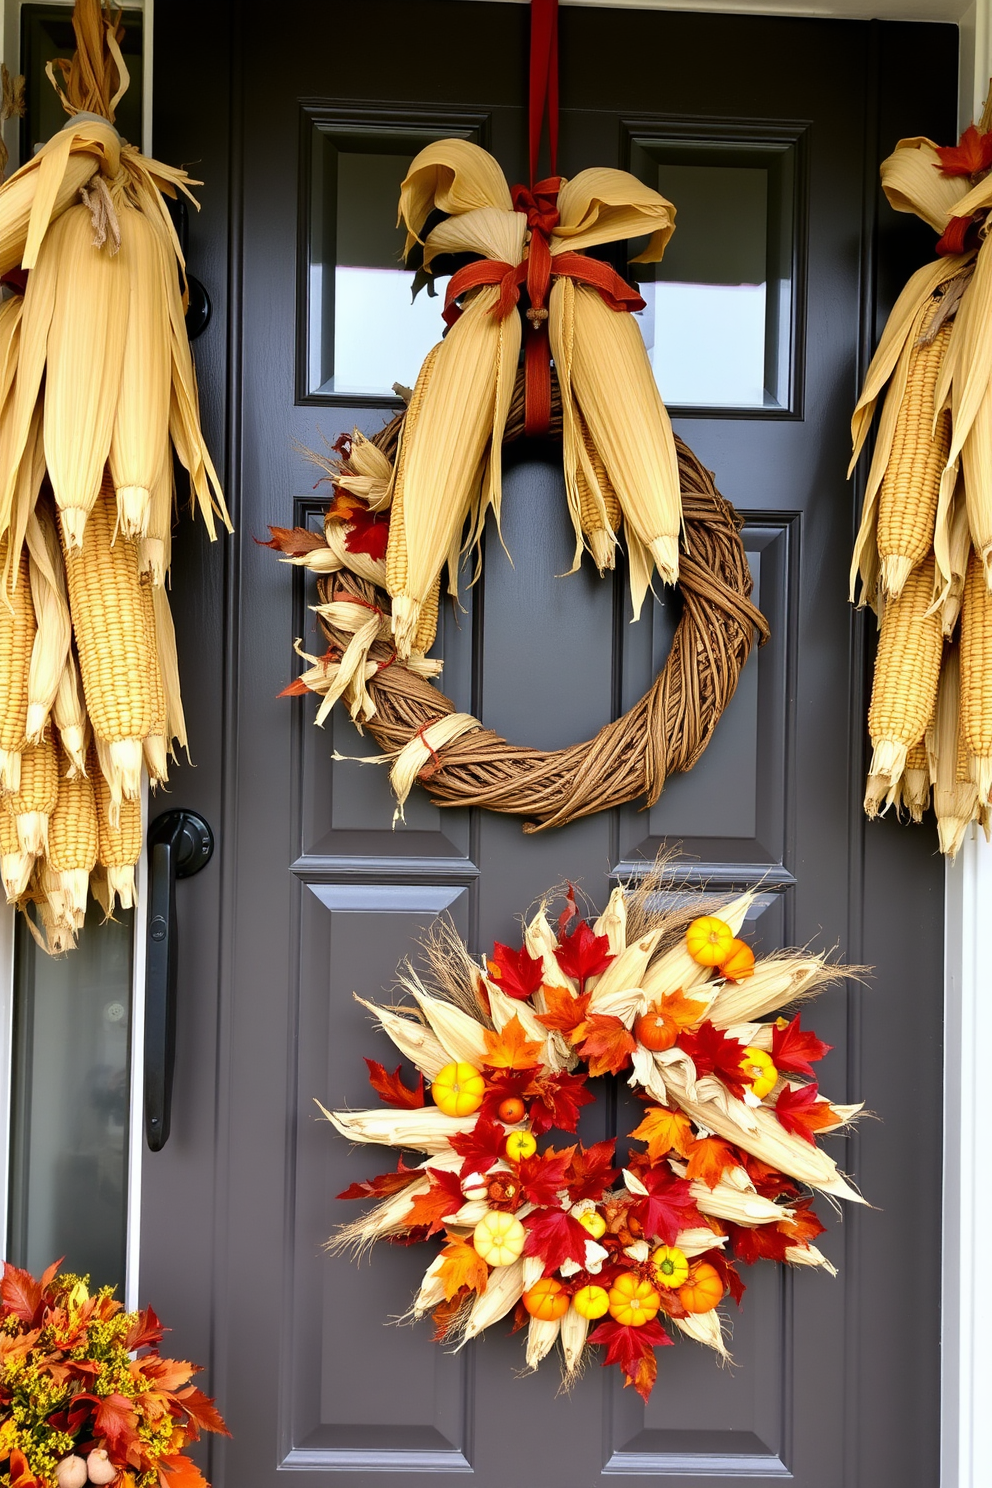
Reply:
x=79, y=1403
x=583, y=1251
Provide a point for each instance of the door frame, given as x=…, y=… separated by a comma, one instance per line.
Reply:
x=966, y=1305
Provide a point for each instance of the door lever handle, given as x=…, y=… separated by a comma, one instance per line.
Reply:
x=179, y=844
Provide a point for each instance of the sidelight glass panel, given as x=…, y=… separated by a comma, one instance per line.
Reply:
x=366, y=331
x=70, y=1101
x=718, y=320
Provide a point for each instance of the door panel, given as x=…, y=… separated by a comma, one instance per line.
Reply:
x=319, y=895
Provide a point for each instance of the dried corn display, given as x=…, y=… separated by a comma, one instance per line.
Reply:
x=923, y=556
x=97, y=396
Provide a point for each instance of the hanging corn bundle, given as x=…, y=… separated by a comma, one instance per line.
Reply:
x=97, y=394
x=923, y=556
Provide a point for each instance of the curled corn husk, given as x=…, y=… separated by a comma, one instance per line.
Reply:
x=704, y=1327
x=425, y=1130
x=418, y=1043
x=542, y=1335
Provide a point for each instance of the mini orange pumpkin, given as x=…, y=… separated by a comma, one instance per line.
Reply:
x=655, y=1029
x=546, y=1299
x=739, y=963
x=708, y=940
x=703, y=1290
x=633, y=1302
x=512, y=1110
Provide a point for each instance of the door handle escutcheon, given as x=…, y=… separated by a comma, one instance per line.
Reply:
x=179, y=844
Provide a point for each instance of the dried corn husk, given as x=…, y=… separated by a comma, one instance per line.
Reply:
x=54, y=633
x=34, y=800
x=69, y=713
x=424, y=1130
x=418, y=1043
x=955, y=794
x=17, y=632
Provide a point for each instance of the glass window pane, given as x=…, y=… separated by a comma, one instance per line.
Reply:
x=71, y=1101
x=717, y=323
x=365, y=330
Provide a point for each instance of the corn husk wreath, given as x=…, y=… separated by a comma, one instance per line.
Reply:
x=578, y=1252
x=923, y=557
x=97, y=390
x=415, y=498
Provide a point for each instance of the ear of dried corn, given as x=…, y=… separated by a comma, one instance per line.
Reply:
x=976, y=677
x=16, y=865
x=73, y=840
x=69, y=714
x=34, y=800
x=955, y=795
x=119, y=838
x=17, y=632
x=54, y=632
x=907, y=667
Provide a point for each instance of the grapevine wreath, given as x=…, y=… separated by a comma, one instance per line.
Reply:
x=414, y=497
x=577, y=1247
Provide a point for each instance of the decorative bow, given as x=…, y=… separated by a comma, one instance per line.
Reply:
x=618, y=449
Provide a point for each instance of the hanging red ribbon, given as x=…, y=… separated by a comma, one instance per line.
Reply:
x=543, y=80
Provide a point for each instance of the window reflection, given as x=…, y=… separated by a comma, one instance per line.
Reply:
x=70, y=1101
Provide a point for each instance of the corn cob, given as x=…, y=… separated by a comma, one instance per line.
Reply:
x=156, y=745
x=34, y=800
x=73, y=839
x=907, y=668
x=54, y=632
x=17, y=633
x=139, y=446
x=119, y=838
x=976, y=677
x=168, y=662
x=955, y=800
x=69, y=714
x=15, y=864
x=913, y=794
x=85, y=360
x=116, y=651
x=599, y=508
x=48, y=926
x=911, y=484
x=155, y=547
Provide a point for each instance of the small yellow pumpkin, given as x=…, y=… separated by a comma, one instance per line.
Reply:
x=703, y=1290
x=520, y=1144
x=499, y=1238
x=708, y=940
x=670, y=1266
x=633, y=1302
x=458, y=1089
x=546, y=1299
x=594, y=1222
x=592, y=1302
x=759, y=1070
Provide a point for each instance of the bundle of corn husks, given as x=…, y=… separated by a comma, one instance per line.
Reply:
x=674, y=1004
x=924, y=551
x=619, y=453
x=97, y=390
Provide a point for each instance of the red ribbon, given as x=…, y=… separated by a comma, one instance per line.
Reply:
x=543, y=79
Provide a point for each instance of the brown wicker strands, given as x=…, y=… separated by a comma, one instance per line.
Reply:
x=665, y=732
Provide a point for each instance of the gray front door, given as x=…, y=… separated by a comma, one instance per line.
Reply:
x=294, y=116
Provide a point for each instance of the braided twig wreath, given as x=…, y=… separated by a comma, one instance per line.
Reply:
x=631, y=757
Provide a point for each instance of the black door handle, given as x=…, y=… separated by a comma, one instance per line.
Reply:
x=179, y=844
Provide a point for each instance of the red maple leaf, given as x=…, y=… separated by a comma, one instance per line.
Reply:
x=555, y=1101
x=480, y=1147
x=367, y=532
x=556, y=1237
x=960, y=235
x=668, y=1206
x=517, y=973
x=543, y=1176
x=794, y=1048
x=178, y=1471
x=569, y=913
x=607, y=1044
x=565, y=1010
x=19, y=1293
x=764, y=1242
x=971, y=156
x=443, y=1197
x=800, y=1112
x=116, y=1422
x=591, y=1171
x=769, y=1182
x=727, y=1270
x=383, y=1184
x=293, y=541
x=804, y=1225
x=391, y=1088
x=583, y=954
x=631, y=1348
x=145, y=1331
x=713, y=1053
x=202, y=1412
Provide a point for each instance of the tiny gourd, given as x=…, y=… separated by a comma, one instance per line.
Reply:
x=709, y=940
x=759, y=1070
x=633, y=1302
x=499, y=1238
x=593, y=1222
x=670, y=1265
x=546, y=1300
x=459, y=1089
x=703, y=1290
x=655, y=1029
x=739, y=962
x=592, y=1302
x=71, y=1472
x=520, y=1144
x=99, y=1468
x=512, y=1110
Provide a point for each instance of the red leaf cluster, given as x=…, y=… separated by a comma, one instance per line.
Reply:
x=517, y=973
x=633, y=1349
x=391, y=1087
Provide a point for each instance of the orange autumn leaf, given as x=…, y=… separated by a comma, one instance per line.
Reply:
x=804, y=1225
x=708, y=1157
x=565, y=1010
x=971, y=156
x=685, y=1011
x=510, y=1048
x=443, y=1197
x=462, y=1266
x=607, y=1044
x=445, y=1314
x=664, y=1131
x=344, y=506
